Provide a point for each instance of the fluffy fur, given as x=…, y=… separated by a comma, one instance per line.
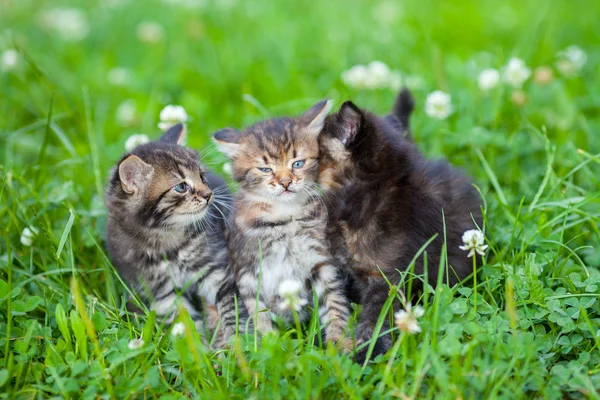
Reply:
x=166, y=230
x=278, y=230
x=387, y=201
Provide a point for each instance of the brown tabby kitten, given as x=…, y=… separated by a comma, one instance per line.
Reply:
x=166, y=231
x=278, y=230
x=387, y=202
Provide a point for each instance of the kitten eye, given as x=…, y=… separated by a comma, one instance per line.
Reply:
x=265, y=169
x=203, y=178
x=298, y=164
x=181, y=188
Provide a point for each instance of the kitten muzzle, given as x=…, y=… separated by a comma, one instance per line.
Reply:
x=285, y=182
x=205, y=195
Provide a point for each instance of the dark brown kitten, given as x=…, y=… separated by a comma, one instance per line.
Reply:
x=166, y=230
x=387, y=202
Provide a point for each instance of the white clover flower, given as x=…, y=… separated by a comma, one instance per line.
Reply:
x=70, y=24
x=376, y=75
x=136, y=344
x=571, y=61
x=9, y=60
x=379, y=72
x=406, y=320
x=488, y=79
x=172, y=115
x=355, y=77
x=290, y=287
x=126, y=113
x=228, y=168
x=150, y=32
x=134, y=141
x=576, y=55
x=289, y=290
x=516, y=72
x=27, y=235
x=474, y=242
x=178, y=329
x=119, y=76
x=438, y=105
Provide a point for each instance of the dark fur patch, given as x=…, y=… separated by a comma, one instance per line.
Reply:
x=388, y=201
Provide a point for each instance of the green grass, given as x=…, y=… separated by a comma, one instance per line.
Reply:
x=535, y=332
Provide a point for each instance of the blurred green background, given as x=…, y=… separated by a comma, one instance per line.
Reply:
x=207, y=54
x=231, y=63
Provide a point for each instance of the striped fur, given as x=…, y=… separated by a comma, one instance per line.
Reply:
x=170, y=246
x=278, y=230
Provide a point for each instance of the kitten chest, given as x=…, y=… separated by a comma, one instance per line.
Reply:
x=291, y=256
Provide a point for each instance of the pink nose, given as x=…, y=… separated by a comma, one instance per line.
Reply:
x=205, y=195
x=285, y=182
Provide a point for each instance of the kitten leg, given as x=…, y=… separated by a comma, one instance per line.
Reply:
x=161, y=296
x=373, y=298
x=248, y=285
x=334, y=307
x=225, y=299
x=164, y=306
x=219, y=289
x=194, y=309
x=212, y=316
x=165, y=303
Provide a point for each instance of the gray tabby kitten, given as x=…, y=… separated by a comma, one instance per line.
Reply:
x=166, y=231
x=280, y=220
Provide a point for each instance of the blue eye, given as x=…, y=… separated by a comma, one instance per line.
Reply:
x=265, y=169
x=298, y=164
x=181, y=188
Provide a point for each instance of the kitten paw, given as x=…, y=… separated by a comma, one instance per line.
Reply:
x=364, y=335
x=221, y=342
x=344, y=343
x=265, y=325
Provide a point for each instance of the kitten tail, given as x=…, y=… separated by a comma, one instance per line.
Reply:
x=405, y=103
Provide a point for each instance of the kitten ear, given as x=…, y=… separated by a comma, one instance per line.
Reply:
x=228, y=141
x=135, y=174
x=315, y=116
x=175, y=134
x=349, y=119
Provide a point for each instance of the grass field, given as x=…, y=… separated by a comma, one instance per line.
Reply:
x=531, y=329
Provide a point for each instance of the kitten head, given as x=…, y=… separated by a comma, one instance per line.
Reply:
x=160, y=184
x=277, y=160
x=354, y=141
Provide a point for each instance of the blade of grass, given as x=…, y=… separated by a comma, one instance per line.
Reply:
x=92, y=141
x=65, y=234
